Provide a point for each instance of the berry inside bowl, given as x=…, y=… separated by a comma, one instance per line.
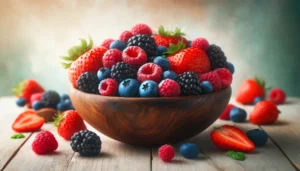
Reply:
x=150, y=121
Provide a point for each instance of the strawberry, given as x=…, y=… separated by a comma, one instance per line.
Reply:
x=166, y=38
x=68, y=123
x=249, y=90
x=28, y=121
x=231, y=138
x=264, y=112
x=35, y=97
x=44, y=143
x=27, y=88
x=82, y=59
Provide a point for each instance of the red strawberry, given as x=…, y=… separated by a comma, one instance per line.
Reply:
x=166, y=38
x=125, y=35
x=231, y=138
x=28, y=121
x=225, y=75
x=200, y=43
x=249, y=90
x=35, y=97
x=83, y=59
x=264, y=112
x=106, y=43
x=226, y=112
x=141, y=29
x=68, y=123
x=44, y=143
x=213, y=78
x=27, y=88
x=277, y=96
x=111, y=57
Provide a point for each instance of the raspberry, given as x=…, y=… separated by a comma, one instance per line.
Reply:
x=125, y=35
x=169, y=88
x=226, y=77
x=149, y=71
x=44, y=143
x=111, y=57
x=141, y=29
x=277, y=96
x=200, y=43
x=166, y=153
x=106, y=43
x=225, y=114
x=213, y=78
x=108, y=87
x=134, y=56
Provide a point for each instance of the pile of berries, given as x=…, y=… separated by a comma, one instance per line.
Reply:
x=142, y=64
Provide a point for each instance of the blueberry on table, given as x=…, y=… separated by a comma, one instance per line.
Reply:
x=148, y=88
x=189, y=150
x=62, y=106
x=64, y=97
x=258, y=137
x=237, y=115
x=129, y=88
x=21, y=102
x=257, y=99
x=37, y=105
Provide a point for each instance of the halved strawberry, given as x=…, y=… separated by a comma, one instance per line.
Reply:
x=231, y=138
x=28, y=121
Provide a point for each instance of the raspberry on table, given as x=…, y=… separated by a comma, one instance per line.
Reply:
x=125, y=35
x=277, y=96
x=141, y=29
x=134, y=56
x=122, y=71
x=200, y=43
x=166, y=153
x=190, y=84
x=108, y=87
x=44, y=143
x=169, y=88
x=213, y=78
x=226, y=77
x=88, y=82
x=106, y=43
x=86, y=143
x=149, y=71
x=111, y=57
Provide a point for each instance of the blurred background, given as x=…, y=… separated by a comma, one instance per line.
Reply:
x=260, y=37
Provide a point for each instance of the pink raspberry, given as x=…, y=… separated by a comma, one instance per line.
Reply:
x=141, y=29
x=169, y=88
x=226, y=77
x=108, y=87
x=135, y=56
x=44, y=143
x=277, y=96
x=200, y=43
x=125, y=35
x=111, y=57
x=213, y=78
x=225, y=114
x=106, y=43
x=166, y=153
x=149, y=71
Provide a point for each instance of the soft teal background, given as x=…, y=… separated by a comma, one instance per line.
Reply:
x=261, y=37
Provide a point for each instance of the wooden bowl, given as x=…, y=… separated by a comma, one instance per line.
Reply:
x=150, y=121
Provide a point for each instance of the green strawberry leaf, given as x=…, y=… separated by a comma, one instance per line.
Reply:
x=175, y=48
x=161, y=31
x=236, y=155
x=17, y=136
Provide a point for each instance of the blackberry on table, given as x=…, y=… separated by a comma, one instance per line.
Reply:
x=216, y=56
x=189, y=83
x=122, y=71
x=88, y=82
x=50, y=99
x=86, y=143
x=146, y=42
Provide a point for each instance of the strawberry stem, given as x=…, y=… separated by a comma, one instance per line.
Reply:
x=57, y=119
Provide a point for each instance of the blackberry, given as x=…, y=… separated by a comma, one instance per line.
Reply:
x=189, y=83
x=217, y=57
x=86, y=142
x=50, y=99
x=146, y=42
x=122, y=71
x=88, y=82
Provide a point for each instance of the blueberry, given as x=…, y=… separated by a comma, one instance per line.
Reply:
x=169, y=74
x=21, y=102
x=68, y=102
x=37, y=105
x=64, y=97
x=189, y=150
x=230, y=67
x=148, y=88
x=207, y=87
x=237, y=115
x=257, y=99
x=189, y=43
x=118, y=44
x=62, y=106
x=160, y=50
x=129, y=88
x=103, y=73
x=164, y=63
x=258, y=137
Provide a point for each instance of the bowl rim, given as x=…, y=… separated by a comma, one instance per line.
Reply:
x=149, y=98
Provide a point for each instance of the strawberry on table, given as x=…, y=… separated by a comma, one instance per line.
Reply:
x=264, y=112
x=28, y=121
x=166, y=38
x=27, y=88
x=249, y=90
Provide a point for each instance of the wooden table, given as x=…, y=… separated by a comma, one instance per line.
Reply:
x=281, y=153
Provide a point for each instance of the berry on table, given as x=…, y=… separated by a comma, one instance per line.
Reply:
x=122, y=71
x=148, y=88
x=237, y=114
x=37, y=105
x=141, y=29
x=147, y=43
x=108, y=87
x=26, y=89
x=200, y=43
x=189, y=150
x=129, y=88
x=103, y=73
x=230, y=67
x=160, y=50
x=216, y=57
x=189, y=84
x=64, y=97
x=226, y=113
x=118, y=44
x=21, y=102
x=213, y=78
x=149, y=71
x=125, y=35
x=258, y=137
x=225, y=75
x=166, y=153
x=169, y=74
x=86, y=143
x=207, y=87
x=44, y=143
x=88, y=82
x=50, y=99
x=35, y=97
x=111, y=57
x=28, y=121
x=162, y=62
x=169, y=88
x=264, y=112
x=257, y=99
x=134, y=56
x=62, y=106
x=277, y=96
x=106, y=43
x=68, y=102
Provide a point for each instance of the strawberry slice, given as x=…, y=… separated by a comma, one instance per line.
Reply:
x=231, y=138
x=28, y=121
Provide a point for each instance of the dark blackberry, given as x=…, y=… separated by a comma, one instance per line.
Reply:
x=146, y=42
x=190, y=84
x=50, y=99
x=88, y=82
x=122, y=71
x=216, y=56
x=86, y=142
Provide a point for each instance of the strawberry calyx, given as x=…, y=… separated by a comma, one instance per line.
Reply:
x=163, y=32
x=18, y=89
x=262, y=83
x=76, y=51
x=57, y=119
x=175, y=48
